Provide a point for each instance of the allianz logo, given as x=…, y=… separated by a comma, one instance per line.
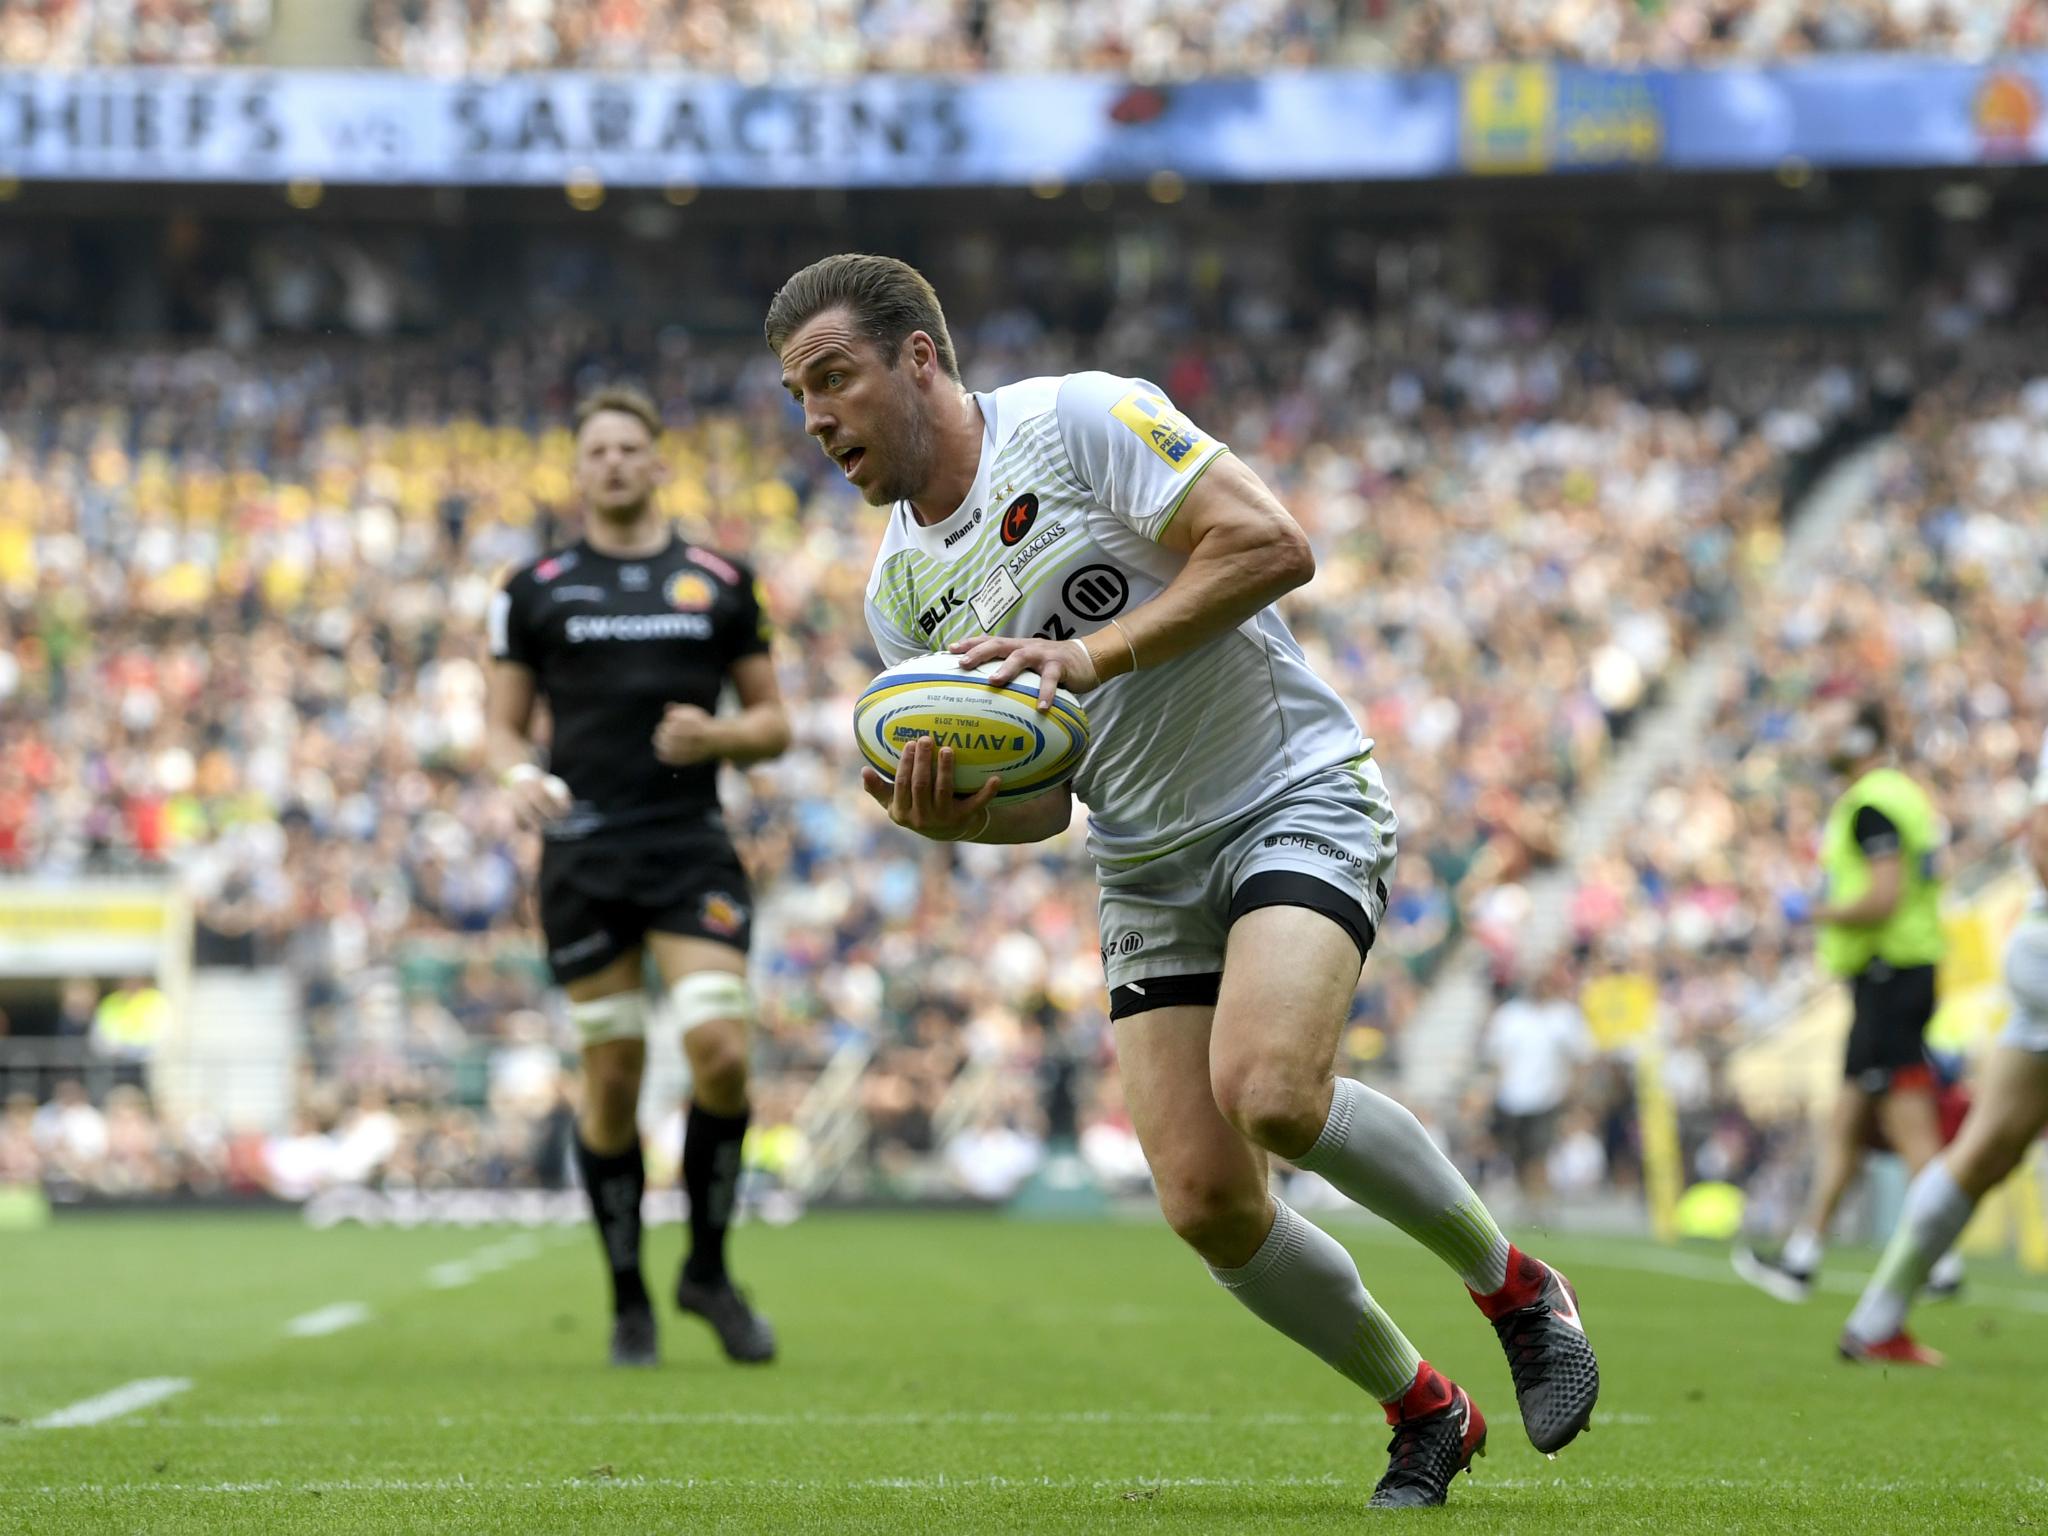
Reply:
x=964, y=529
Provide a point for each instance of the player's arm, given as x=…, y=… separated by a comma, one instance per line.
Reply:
x=1245, y=552
x=756, y=731
x=922, y=800
x=538, y=797
x=759, y=729
x=1879, y=839
x=1169, y=482
x=511, y=688
x=510, y=692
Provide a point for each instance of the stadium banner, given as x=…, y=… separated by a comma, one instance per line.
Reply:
x=1528, y=119
x=379, y=127
x=51, y=928
x=648, y=130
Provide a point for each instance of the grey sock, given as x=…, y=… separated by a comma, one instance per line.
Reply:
x=1936, y=1212
x=1377, y=1153
x=1303, y=1282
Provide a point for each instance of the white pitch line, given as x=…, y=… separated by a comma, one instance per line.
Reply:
x=1697, y=1266
x=733, y=1418
x=130, y=1397
x=313, y=1325
x=486, y=1260
x=1136, y=1485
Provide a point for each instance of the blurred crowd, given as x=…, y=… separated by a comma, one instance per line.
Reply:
x=1626, y=34
x=241, y=589
x=1931, y=601
x=1147, y=39
x=1166, y=39
x=86, y=34
x=118, y=1147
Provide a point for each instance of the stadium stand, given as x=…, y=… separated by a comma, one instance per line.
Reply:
x=244, y=584
x=1147, y=39
x=1165, y=39
x=1932, y=589
x=1692, y=32
x=81, y=34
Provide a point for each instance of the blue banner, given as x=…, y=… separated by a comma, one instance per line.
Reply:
x=1516, y=119
x=661, y=130
x=1858, y=112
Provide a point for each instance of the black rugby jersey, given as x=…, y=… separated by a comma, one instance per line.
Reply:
x=613, y=643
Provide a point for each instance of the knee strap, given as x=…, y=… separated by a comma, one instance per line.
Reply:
x=703, y=996
x=622, y=1016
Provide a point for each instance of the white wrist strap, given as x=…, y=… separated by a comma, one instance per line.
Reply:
x=1129, y=644
x=988, y=817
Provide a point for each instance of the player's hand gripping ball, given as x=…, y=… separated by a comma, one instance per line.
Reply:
x=984, y=727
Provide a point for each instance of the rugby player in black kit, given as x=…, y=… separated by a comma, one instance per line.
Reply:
x=630, y=635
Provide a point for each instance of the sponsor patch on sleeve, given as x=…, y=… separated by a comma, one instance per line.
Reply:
x=1160, y=427
x=717, y=565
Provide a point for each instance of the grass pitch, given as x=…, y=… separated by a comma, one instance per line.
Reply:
x=940, y=1373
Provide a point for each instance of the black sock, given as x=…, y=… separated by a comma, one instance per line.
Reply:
x=711, y=1175
x=615, y=1182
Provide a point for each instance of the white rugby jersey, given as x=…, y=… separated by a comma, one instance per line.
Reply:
x=1079, y=476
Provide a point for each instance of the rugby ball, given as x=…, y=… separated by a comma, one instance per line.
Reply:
x=991, y=728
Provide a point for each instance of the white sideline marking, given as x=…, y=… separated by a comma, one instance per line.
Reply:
x=130, y=1397
x=343, y=1314
x=1619, y=1253
x=1138, y=1483
x=1081, y=1419
x=486, y=1260
x=1697, y=1266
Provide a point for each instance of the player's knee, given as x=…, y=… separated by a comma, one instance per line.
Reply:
x=611, y=1099
x=1270, y=1105
x=718, y=1063
x=1980, y=1162
x=1215, y=1216
x=711, y=1008
x=613, y=1030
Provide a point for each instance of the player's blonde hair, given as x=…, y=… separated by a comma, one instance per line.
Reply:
x=622, y=398
x=888, y=301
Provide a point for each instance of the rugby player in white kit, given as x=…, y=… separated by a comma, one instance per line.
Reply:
x=1082, y=528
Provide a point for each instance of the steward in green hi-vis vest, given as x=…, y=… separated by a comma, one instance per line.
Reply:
x=1910, y=935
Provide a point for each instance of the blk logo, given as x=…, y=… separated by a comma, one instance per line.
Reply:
x=936, y=615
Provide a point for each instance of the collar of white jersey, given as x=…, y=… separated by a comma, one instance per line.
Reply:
x=944, y=538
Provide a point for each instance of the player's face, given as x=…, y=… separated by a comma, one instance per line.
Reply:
x=616, y=467
x=867, y=413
